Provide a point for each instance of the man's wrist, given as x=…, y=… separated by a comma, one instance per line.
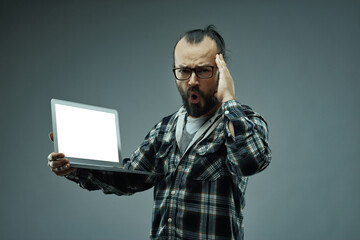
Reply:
x=228, y=98
x=233, y=108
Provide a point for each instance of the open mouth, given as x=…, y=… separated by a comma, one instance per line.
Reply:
x=194, y=97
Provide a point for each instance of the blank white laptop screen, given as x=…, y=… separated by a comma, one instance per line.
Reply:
x=87, y=134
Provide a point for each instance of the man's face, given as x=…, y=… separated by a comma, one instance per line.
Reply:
x=197, y=94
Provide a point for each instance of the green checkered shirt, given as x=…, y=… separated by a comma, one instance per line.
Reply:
x=198, y=194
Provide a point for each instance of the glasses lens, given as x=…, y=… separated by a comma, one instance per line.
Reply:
x=204, y=72
x=182, y=73
x=201, y=72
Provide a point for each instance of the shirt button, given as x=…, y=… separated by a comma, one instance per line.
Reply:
x=226, y=112
x=169, y=220
x=173, y=192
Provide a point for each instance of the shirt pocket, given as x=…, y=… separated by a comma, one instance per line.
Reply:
x=209, y=163
x=162, y=157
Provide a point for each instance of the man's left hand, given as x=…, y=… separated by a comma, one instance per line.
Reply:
x=226, y=89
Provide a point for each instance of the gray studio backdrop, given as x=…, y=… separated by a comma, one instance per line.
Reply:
x=295, y=62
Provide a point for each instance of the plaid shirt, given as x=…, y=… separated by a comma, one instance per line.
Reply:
x=199, y=194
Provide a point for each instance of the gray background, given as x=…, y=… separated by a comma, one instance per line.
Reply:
x=295, y=62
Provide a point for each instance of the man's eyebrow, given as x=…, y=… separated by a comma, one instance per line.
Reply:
x=200, y=65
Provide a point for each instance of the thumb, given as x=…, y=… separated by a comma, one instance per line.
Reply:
x=216, y=95
x=51, y=136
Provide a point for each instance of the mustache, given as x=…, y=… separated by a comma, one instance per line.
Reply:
x=194, y=89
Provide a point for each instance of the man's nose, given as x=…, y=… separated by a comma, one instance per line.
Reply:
x=193, y=80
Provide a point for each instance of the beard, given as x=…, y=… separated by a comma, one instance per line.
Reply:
x=196, y=110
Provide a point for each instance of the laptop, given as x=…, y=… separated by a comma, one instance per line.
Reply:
x=89, y=136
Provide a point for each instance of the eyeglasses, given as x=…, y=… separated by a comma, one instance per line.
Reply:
x=201, y=72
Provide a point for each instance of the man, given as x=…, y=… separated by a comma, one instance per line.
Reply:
x=203, y=152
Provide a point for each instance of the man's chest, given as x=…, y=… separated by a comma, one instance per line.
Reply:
x=203, y=160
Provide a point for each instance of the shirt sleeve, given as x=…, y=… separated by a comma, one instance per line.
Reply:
x=143, y=158
x=248, y=151
x=121, y=183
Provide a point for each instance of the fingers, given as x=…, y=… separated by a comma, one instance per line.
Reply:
x=59, y=167
x=55, y=156
x=220, y=62
x=63, y=172
x=51, y=136
x=226, y=90
x=59, y=164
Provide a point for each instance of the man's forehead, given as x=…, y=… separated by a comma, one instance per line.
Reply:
x=204, y=50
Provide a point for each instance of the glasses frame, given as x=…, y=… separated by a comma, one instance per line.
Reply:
x=193, y=70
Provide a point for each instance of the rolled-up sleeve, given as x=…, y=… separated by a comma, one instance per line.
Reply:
x=248, y=151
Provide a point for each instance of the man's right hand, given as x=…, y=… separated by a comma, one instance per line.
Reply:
x=58, y=163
